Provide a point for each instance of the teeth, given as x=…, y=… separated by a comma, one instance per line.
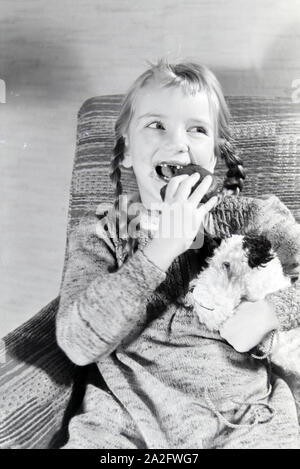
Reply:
x=165, y=165
x=169, y=168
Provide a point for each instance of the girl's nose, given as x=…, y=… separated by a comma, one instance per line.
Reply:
x=176, y=142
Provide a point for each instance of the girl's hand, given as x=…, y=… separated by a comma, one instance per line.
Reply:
x=251, y=322
x=181, y=216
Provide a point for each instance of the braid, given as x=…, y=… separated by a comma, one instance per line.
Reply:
x=236, y=173
x=115, y=175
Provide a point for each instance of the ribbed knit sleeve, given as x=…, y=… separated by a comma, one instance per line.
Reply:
x=286, y=304
x=268, y=215
x=98, y=307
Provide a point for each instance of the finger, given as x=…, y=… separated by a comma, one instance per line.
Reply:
x=172, y=186
x=210, y=204
x=208, y=223
x=200, y=191
x=185, y=187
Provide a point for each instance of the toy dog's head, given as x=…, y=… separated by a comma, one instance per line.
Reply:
x=237, y=255
x=242, y=267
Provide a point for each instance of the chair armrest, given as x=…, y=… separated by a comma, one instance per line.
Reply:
x=39, y=385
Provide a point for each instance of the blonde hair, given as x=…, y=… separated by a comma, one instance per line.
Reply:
x=191, y=77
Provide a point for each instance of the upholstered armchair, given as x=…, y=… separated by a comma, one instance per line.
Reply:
x=40, y=388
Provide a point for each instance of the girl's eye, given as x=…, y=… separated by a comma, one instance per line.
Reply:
x=198, y=130
x=156, y=125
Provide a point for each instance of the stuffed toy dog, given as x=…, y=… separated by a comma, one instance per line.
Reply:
x=243, y=268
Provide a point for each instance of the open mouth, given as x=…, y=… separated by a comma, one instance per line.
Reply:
x=167, y=170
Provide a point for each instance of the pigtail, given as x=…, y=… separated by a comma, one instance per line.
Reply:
x=130, y=244
x=236, y=174
x=115, y=174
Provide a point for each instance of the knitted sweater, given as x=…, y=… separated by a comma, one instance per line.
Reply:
x=122, y=313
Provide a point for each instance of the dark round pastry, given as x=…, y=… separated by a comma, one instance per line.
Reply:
x=167, y=171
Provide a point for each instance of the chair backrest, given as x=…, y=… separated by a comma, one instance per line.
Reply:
x=267, y=134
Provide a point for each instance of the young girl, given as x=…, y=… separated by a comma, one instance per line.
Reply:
x=168, y=381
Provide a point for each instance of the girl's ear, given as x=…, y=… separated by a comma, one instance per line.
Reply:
x=127, y=160
x=220, y=143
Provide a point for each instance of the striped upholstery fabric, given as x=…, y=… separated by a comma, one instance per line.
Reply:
x=39, y=387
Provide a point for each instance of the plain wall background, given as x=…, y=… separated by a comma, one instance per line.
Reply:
x=54, y=55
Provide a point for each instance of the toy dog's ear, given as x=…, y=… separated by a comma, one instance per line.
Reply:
x=210, y=244
x=258, y=249
x=207, y=250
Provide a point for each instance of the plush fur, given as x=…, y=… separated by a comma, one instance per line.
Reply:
x=244, y=268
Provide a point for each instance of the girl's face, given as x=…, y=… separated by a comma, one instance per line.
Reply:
x=167, y=126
